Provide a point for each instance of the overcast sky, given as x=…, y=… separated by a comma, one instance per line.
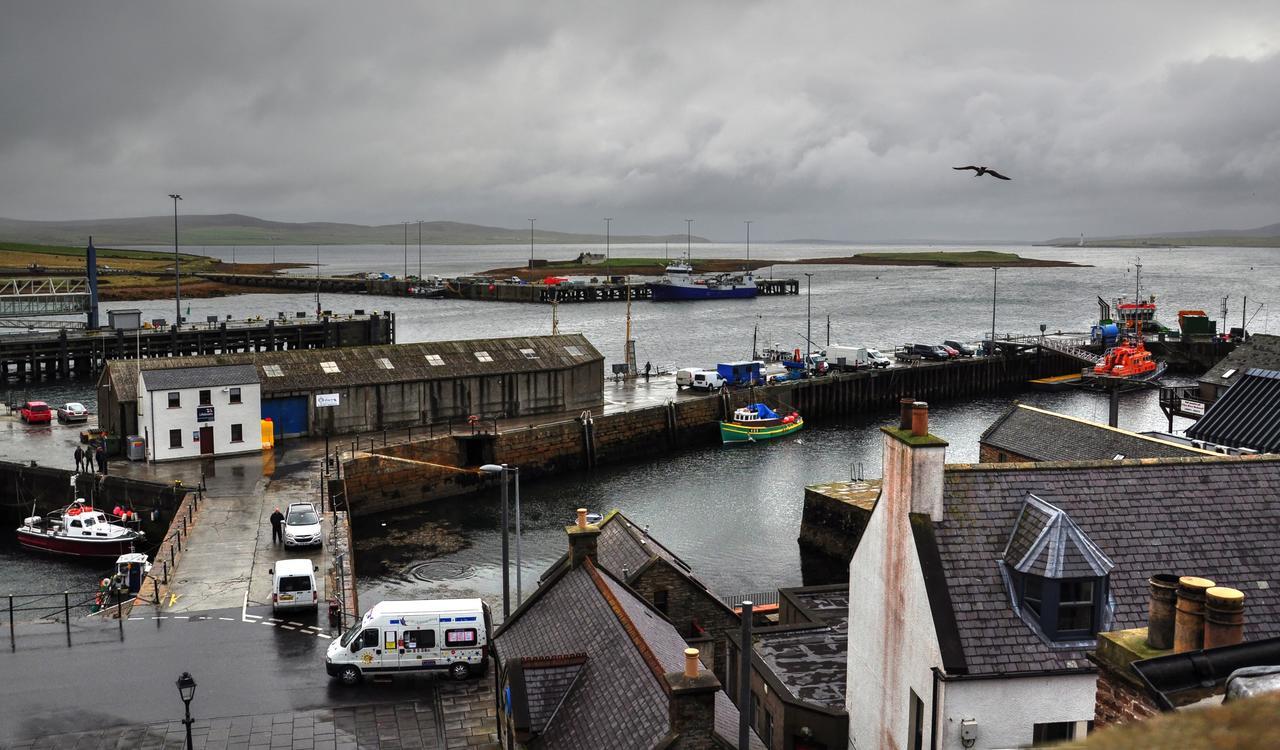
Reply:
x=839, y=120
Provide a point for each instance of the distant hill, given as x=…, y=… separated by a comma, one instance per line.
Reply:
x=237, y=229
x=1268, y=236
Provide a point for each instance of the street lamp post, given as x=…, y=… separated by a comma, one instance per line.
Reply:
x=187, y=691
x=995, y=274
x=177, y=279
x=406, y=249
x=748, y=242
x=808, y=335
x=501, y=471
x=519, y=589
x=688, y=240
x=607, y=255
x=419, y=248
x=531, y=242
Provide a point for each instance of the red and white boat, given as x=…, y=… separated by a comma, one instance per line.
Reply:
x=79, y=530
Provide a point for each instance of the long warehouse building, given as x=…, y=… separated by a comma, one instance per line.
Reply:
x=368, y=388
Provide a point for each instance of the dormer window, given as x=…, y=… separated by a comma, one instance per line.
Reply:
x=1057, y=576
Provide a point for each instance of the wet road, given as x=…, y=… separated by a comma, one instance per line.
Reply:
x=242, y=666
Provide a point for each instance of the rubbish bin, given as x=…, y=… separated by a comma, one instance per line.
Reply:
x=136, y=448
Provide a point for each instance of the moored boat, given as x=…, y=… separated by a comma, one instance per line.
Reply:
x=680, y=283
x=79, y=530
x=1129, y=359
x=758, y=422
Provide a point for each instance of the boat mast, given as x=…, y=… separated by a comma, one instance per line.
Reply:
x=1137, y=278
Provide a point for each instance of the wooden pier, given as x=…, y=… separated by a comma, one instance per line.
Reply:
x=82, y=353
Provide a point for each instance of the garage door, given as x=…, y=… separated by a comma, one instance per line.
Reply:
x=288, y=414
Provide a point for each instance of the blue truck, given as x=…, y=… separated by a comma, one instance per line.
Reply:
x=741, y=373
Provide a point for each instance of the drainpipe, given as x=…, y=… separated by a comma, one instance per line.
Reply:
x=933, y=717
x=744, y=680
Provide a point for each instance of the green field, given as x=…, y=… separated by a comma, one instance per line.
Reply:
x=78, y=252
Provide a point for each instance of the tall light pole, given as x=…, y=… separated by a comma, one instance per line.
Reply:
x=688, y=240
x=607, y=222
x=177, y=279
x=187, y=691
x=419, y=248
x=406, y=249
x=531, y=242
x=748, y=242
x=995, y=275
x=808, y=335
x=501, y=471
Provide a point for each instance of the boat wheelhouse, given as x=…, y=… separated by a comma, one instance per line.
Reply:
x=758, y=422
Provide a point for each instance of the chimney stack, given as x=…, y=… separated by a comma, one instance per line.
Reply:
x=1188, y=627
x=913, y=464
x=904, y=413
x=692, y=705
x=1160, y=610
x=582, y=539
x=919, y=419
x=1223, y=617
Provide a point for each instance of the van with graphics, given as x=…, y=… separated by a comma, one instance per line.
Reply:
x=399, y=637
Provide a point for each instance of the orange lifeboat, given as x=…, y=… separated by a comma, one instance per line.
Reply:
x=1129, y=359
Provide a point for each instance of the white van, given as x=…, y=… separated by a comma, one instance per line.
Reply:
x=293, y=585
x=413, y=636
x=693, y=377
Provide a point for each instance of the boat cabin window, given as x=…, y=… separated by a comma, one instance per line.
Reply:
x=89, y=521
x=295, y=583
x=76, y=524
x=419, y=639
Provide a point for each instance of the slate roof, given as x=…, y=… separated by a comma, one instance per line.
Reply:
x=1246, y=416
x=1261, y=351
x=810, y=662
x=544, y=684
x=1041, y=435
x=1216, y=518
x=200, y=377
x=620, y=699
x=1046, y=542
x=301, y=369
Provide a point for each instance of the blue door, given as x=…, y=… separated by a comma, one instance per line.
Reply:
x=289, y=415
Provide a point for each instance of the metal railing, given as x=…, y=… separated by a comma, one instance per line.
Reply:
x=735, y=601
x=58, y=607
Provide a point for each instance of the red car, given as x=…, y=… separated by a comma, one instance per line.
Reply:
x=951, y=351
x=36, y=412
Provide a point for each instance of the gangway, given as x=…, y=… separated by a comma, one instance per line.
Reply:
x=29, y=298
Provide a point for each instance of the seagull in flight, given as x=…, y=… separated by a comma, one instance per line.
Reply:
x=979, y=171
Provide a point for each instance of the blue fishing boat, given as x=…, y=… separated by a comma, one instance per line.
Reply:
x=680, y=283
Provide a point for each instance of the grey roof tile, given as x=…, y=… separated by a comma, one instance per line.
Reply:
x=200, y=377
x=1261, y=351
x=1042, y=435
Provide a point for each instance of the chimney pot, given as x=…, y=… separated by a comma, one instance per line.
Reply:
x=919, y=419
x=582, y=518
x=1160, y=610
x=1223, y=617
x=904, y=413
x=1188, y=625
x=691, y=663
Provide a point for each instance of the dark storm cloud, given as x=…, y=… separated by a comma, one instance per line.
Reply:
x=814, y=119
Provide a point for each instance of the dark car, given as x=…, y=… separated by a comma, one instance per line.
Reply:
x=928, y=351
x=964, y=349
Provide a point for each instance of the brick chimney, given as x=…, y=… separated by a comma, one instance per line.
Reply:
x=1188, y=623
x=1223, y=617
x=913, y=464
x=582, y=539
x=692, y=705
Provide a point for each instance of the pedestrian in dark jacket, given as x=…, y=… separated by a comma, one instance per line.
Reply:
x=101, y=455
x=277, y=526
x=79, y=459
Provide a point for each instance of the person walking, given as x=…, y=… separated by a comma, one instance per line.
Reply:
x=277, y=526
x=101, y=454
x=79, y=459
x=647, y=368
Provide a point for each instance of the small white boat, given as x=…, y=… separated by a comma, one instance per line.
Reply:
x=79, y=530
x=131, y=568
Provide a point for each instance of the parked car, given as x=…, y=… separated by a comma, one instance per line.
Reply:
x=927, y=351
x=73, y=412
x=293, y=585
x=707, y=380
x=965, y=349
x=951, y=352
x=854, y=357
x=302, y=526
x=36, y=412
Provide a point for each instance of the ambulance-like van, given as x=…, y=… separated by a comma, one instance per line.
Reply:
x=413, y=636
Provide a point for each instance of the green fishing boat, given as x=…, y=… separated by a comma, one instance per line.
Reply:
x=758, y=422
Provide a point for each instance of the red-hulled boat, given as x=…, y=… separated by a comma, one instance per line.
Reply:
x=79, y=530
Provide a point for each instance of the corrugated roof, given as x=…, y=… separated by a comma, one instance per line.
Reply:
x=1216, y=518
x=1042, y=435
x=1246, y=416
x=1261, y=351
x=306, y=369
x=199, y=377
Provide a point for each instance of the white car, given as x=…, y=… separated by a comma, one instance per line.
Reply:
x=73, y=412
x=302, y=526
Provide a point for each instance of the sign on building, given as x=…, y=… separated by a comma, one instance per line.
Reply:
x=204, y=413
x=1193, y=407
x=326, y=399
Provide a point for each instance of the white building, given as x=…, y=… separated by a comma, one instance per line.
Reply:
x=200, y=411
x=977, y=591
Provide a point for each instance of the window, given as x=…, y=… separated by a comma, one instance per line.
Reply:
x=75, y=524
x=1033, y=593
x=575, y=351
x=1075, y=606
x=460, y=637
x=754, y=718
x=175, y=400
x=272, y=371
x=234, y=395
x=384, y=363
x=768, y=729
x=1057, y=731
x=294, y=584
x=915, y=723
x=660, y=600
x=419, y=639
x=529, y=353
x=369, y=638
x=206, y=398
x=175, y=438
x=330, y=368
x=237, y=433
x=1065, y=609
x=435, y=360
x=484, y=357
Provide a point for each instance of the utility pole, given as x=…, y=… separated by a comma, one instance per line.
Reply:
x=318, y=283
x=607, y=254
x=406, y=250
x=995, y=273
x=688, y=240
x=748, y=242
x=419, y=248
x=531, y=242
x=177, y=278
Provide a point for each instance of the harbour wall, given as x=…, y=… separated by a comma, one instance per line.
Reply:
x=24, y=485
x=398, y=476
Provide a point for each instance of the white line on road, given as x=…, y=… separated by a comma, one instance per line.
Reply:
x=244, y=610
x=182, y=617
x=274, y=621
x=137, y=618
x=228, y=619
x=270, y=625
x=322, y=635
x=296, y=624
x=159, y=617
x=287, y=627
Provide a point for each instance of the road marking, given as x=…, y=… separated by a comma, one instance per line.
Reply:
x=137, y=618
x=244, y=610
x=296, y=624
x=322, y=635
x=173, y=598
x=227, y=619
x=267, y=624
x=274, y=621
x=287, y=627
x=182, y=617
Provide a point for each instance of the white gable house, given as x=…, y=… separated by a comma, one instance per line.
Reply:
x=200, y=411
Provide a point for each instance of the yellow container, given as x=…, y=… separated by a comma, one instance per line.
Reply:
x=268, y=434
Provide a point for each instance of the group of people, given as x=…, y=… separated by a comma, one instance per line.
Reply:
x=85, y=459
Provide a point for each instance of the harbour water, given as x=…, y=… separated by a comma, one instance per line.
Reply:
x=732, y=513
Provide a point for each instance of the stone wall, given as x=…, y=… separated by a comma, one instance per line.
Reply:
x=834, y=517
x=1120, y=701
x=989, y=455
x=687, y=604
x=374, y=484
